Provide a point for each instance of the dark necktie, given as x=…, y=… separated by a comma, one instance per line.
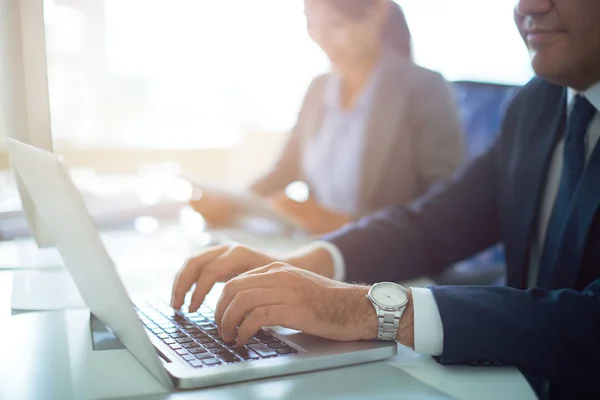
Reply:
x=580, y=118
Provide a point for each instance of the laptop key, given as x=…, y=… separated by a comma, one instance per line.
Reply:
x=178, y=334
x=169, y=341
x=197, y=350
x=211, y=361
x=253, y=341
x=171, y=330
x=182, y=352
x=205, y=339
x=260, y=335
x=163, y=336
x=245, y=353
x=286, y=350
x=203, y=356
x=211, y=345
x=196, y=363
x=229, y=357
x=190, y=345
x=276, y=345
x=189, y=357
x=184, y=339
x=175, y=346
x=269, y=339
x=263, y=350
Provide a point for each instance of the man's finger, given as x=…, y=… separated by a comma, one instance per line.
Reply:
x=243, y=303
x=218, y=269
x=190, y=272
x=263, y=316
x=230, y=264
x=262, y=281
x=265, y=268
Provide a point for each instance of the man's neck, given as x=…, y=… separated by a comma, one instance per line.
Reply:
x=586, y=79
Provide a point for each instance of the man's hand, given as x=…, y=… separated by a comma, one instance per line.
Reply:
x=221, y=263
x=309, y=214
x=279, y=294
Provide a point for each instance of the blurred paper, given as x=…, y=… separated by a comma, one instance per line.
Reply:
x=44, y=290
x=255, y=210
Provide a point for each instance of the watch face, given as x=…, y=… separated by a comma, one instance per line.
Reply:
x=389, y=295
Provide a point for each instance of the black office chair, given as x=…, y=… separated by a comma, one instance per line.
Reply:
x=481, y=108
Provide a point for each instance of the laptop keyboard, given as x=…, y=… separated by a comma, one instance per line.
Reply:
x=194, y=336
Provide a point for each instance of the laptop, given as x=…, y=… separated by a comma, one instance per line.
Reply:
x=182, y=350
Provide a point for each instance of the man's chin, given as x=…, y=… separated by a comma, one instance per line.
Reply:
x=552, y=69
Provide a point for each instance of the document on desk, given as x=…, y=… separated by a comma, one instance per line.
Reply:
x=257, y=213
x=43, y=290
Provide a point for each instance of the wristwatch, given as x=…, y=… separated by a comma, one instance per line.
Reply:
x=389, y=300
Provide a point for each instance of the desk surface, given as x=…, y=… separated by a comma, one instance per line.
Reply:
x=48, y=355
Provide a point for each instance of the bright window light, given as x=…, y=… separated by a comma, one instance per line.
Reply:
x=164, y=74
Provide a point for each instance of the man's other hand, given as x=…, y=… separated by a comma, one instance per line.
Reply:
x=222, y=263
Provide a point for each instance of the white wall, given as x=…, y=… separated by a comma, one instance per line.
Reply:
x=11, y=102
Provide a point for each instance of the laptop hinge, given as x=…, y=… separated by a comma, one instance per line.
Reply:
x=102, y=337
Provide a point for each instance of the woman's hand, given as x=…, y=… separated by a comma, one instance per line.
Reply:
x=216, y=210
x=309, y=214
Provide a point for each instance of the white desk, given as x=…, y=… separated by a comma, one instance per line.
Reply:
x=48, y=355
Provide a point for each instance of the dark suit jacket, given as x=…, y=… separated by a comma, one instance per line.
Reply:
x=413, y=137
x=551, y=333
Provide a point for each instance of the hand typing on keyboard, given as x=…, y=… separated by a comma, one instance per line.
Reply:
x=218, y=264
x=221, y=263
x=195, y=338
x=262, y=292
x=282, y=295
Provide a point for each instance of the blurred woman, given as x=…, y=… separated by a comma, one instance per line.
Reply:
x=376, y=130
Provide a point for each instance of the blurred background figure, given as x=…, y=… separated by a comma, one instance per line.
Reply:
x=212, y=94
x=376, y=130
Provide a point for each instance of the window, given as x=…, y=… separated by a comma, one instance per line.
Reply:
x=175, y=73
x=468, y=39
x=166, y=74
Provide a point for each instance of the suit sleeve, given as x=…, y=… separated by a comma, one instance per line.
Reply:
x=452, y=221
x=549, y=334
x=287, y=168
x=438, y=132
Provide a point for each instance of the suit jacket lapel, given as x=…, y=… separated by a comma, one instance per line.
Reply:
x=586, y=202
x=387, y=114
x=544, y=125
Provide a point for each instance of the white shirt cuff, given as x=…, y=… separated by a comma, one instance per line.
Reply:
x=429, y=333
x=339, y=267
